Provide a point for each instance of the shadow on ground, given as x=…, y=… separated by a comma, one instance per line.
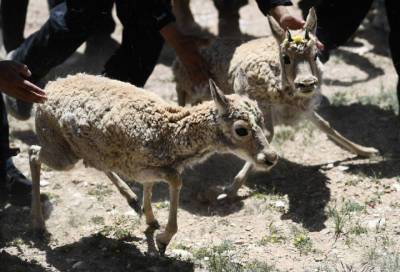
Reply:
x=96, y=253
x=10, y=263
x=369, y=125
x=305, y=186
x=99, y=253
x=361, y=62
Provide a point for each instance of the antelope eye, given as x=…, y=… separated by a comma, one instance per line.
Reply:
x=241, y=131
x=286, y=59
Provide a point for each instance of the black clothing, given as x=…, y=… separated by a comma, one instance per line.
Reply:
x=4, y=131
x=266, y=5
x=339, y=19
x=70, y=24
x=13, y=16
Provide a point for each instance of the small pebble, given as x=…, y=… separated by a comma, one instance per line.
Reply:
x=248, y=228
x=280, y=204
x=396, y=187
x=329, y=166
x=44, y=183
x=342, y=168
x=376, y=224
x=183, y=254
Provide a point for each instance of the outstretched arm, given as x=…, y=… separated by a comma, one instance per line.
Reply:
x=13, y=82
x=279, y=10
x=185, y=46
x=188, y=53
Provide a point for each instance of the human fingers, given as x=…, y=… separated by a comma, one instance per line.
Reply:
x=29, y=86
x=292, y=22
x=22, y=69
x=24, y=95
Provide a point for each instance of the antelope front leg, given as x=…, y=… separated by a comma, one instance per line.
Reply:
x=339, y=139
x=126, y=191
x=38, y=224
x=163, y=239
x=147, y=209
x=240, y=179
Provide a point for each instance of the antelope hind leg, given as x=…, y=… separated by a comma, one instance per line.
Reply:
x=147, y=209
x=126, y=191
x=163, y=238
x=38, y=224
x=339, y=139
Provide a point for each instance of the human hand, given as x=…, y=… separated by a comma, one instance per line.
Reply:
x=186, y=49
x=289, y=21
x=13, y=82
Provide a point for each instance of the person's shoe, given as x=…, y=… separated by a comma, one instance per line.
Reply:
x=17, y=108
x=15, y=184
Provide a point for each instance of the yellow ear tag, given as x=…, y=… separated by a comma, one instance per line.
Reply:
x=298, y=39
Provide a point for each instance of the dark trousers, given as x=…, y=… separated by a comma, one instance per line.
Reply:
x=73, y=21
x=4, y=132
x=339, y=19
x=13, y=16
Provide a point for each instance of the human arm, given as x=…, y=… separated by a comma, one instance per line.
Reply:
x=279, y=10
x=185, y=46
x=187, y=51
x=13, y=82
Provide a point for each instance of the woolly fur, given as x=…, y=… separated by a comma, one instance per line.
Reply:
x=260, y=61
x=115, y=126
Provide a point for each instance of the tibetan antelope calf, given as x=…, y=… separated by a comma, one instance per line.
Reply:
x=125, y=131
x=282, y=73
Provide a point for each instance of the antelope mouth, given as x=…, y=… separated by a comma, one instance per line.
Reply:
x=306, y=92
x=265, y=162
x=269, y=163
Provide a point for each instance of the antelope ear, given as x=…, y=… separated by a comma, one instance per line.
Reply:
x=277, y=31
x=289, y=35
x=240, y=84
x=311, y=21
x=219, y=98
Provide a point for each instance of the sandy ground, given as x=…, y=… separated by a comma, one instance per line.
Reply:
x=320, y=209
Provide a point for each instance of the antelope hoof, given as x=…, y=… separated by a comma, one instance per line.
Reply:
x=38, y=225
x=367, y=152
x=39, y=231
x=154, y=224
x=228, y=194
x=135, y=206
x=162, y=246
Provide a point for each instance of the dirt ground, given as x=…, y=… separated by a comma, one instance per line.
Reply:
x=320, y=209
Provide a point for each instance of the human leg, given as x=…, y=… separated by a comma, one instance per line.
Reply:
x=337, y=22
x=69, y=25
x=141, y=45
x=12, y=181
x=13, y=14
x=393, y=13
x=54, y=3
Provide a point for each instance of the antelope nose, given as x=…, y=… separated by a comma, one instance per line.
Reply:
x=305, y=82
x=268, y=159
